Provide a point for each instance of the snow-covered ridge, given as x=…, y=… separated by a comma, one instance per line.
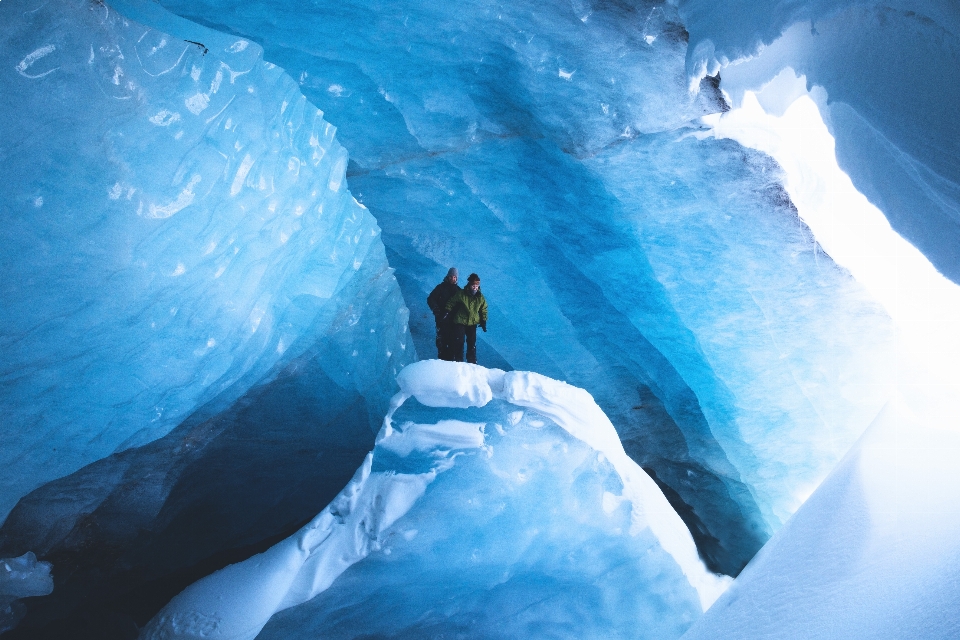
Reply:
x=434, y=384
x=238, y=601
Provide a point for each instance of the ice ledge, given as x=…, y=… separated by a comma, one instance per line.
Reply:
x=437, y=383
x=238, y=601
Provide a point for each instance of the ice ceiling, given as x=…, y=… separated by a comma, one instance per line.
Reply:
x=221, y=222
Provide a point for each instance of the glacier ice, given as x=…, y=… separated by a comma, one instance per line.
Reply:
x=128, y=532
x=259, y=321
x=873, y=553
x=524, y=519
x=151, y=386
x=548, y=149
x=176, y=222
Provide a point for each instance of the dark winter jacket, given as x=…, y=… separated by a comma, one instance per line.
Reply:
x=438, y=298
x=468, y=309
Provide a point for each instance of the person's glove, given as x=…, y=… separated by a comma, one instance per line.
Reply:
x=483, y=325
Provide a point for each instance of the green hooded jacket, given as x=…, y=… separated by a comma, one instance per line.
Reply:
x=467, y=309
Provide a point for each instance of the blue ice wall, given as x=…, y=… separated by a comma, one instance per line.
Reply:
x=549, y=148
x=176, y=229
x=182, y=257
x=128, y=532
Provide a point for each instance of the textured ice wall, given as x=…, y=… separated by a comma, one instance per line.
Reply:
x=128, y=532
x=887, y=80
x=176, y=221
x=495, y=504
x=546, y=146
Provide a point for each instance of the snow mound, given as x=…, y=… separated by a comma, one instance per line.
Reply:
x=372, y=518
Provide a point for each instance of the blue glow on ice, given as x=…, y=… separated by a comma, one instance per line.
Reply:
x=617, y=252
x=172, y=235
x=180, y=245
x=495, y=504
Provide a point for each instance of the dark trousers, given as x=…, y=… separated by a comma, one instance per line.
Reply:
x=461, y=331
x=445, y=348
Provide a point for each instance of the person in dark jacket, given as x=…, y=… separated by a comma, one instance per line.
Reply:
x=437, y=301
x=467, y=309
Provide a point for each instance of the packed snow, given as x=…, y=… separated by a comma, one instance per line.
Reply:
x=874, y=553
x=374, y=515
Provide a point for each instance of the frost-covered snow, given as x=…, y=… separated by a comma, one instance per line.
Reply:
x=390, y=511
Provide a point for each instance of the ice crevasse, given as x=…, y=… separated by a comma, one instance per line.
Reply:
x=560, y=518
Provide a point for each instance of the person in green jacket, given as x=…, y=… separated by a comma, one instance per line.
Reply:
x=467, y=308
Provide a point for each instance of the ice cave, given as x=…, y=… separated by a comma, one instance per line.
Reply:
x=716, y=394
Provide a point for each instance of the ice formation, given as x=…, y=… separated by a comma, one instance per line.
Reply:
x=548, y=148
x=181, y=254
x=873, y=552
x=202, y=327
x=178, y=224
x=886, y=86
x=542, y=474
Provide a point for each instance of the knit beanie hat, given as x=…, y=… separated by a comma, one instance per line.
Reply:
x=452, y=273
x=473, y=278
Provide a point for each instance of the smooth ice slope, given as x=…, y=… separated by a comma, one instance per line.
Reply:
x=546, y=146
x=874, y=552
x=886, y=68
x=175, y=222
x=459, y=518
